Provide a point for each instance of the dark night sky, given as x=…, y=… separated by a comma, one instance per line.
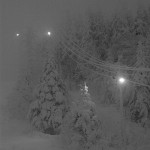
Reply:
x=43, y=15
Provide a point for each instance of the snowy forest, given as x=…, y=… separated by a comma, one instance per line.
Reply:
x=69, y=83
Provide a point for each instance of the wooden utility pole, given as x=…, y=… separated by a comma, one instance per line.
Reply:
x=123, y=124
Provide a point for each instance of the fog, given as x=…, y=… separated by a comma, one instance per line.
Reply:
x=43, y=16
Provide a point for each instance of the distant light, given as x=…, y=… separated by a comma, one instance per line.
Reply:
x=49, y=33
x=17, y=34
x=122, y=80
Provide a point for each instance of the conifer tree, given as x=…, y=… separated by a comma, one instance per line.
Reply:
x=82, y=128
x=48, y=110
x=141, y=103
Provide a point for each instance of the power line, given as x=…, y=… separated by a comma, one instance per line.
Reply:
x=102, y=67
x=106, y=64
x=67, y=48
x=84, y=66
x=88, y=61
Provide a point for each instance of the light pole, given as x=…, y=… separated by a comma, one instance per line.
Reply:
x=122, y=82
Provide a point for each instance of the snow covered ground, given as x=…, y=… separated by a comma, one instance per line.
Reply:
x=34, y=142
x=110, y=117
x=18, y=135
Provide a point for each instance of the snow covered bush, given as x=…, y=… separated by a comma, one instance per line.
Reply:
x=48, y=110
x=81, y=127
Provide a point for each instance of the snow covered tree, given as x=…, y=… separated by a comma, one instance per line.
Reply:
x=97, y=35
x=82, y=128
x=50, y=107
x=141, y=23
x=140, y=105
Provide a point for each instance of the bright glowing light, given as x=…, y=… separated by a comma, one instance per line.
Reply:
x=17, y=34
x=121, y=80
x=49, y=33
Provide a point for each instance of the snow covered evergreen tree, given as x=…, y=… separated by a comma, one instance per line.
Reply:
x=82, y=128
x=141, y=104
x=141, y=23
x=50, y=107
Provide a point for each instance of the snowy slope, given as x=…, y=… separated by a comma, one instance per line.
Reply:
x=110, y=117
x=35, y=142
x=19, y=135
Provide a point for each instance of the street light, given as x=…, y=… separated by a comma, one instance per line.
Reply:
x=48, y=33
x=17, y=34
x=122, y=80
